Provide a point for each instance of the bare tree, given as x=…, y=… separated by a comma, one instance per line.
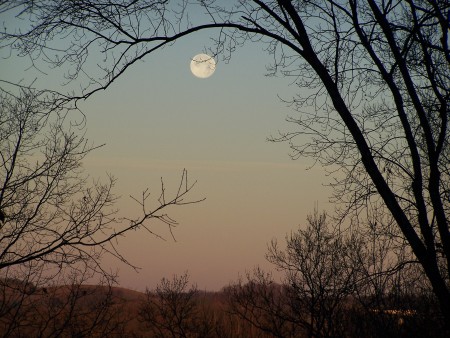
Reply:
x=319, y=273
x=374, y=76
x=353, y=283
x=264, y=304
x=64, y=307
x=169, y=309
x=338, y=283
x=57, y=222
x=53, y=213
x=175, y=309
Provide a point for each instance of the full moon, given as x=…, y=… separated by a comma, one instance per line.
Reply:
x=203, y=66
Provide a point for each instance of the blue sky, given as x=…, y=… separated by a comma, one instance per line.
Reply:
x=158, y=119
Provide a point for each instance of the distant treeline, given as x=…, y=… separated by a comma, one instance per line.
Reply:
x=177, y=309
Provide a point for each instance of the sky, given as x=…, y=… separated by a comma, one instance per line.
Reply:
x=158, y=119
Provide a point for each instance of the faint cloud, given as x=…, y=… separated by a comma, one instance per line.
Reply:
x=135, y=163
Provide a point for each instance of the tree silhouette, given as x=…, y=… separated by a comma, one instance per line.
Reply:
x=57, y=222
x=337, y=283
x=176, y=309
x=63, y=307
x=53, y=215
